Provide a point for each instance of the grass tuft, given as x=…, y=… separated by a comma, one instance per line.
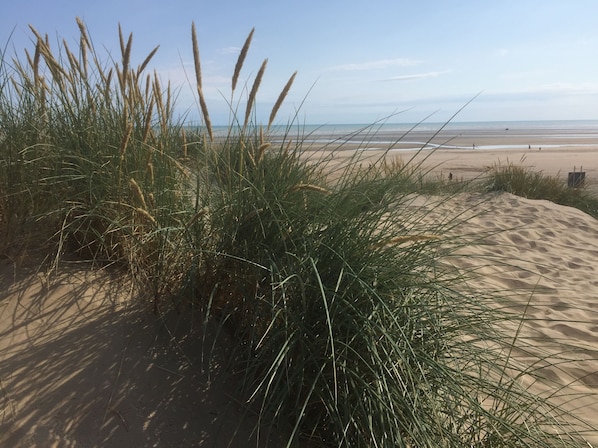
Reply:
x=525, y=182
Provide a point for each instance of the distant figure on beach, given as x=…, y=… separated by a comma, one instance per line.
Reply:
x=529, y=146
x=450, y=176
x=540, y=148
x=474, y=146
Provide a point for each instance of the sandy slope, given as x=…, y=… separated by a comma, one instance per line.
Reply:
x=79, y=366
x=543, y=258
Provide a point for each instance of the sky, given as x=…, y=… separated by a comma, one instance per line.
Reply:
x=357, y=61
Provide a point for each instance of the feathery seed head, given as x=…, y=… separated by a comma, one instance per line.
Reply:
x=241, y=59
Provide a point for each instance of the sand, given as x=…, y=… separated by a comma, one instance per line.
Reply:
x=81, y=365
x=542, y=258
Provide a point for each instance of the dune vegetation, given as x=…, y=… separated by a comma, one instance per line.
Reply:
x=536, y=185
x=349, y=328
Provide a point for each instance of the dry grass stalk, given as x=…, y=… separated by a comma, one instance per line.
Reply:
x=152, y=200
x=29, y=60
x=253, y=93
x=135, y=98
x=281, y=98
x=83, y=31
x=150, y=171
x=148, y=120
x=74, y=63
x=58, y=73
x=251, y=159
x=200, y=214
x=125, y=140
x=202, y=100
x=148, y=84
x=164, y=122
x=107, y=83
x=145, y=214
x=36, y=34
x=241, y=59
x=261, y=150
x=18, y=88
x=36, y=62
x=206, y=116
x=83, y=49
x=84, y=43
x=137, y=193
x=184, y=137
x=310, y=187
x=147, y=60
x=126, y=56
x=184, y=171
x=196, y=59
x=158, y=94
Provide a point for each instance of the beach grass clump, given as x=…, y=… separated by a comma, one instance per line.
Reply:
x=525, y=182
x=349, y=329
x=88, y=153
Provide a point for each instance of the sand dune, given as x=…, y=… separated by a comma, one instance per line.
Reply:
x=543, y=259
x=81, y=366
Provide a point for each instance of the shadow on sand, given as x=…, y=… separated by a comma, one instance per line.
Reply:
x=82, y=364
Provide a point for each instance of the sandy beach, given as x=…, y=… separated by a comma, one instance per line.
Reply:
x=81, y=366
x=466, y=153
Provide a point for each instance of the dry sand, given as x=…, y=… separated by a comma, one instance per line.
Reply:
x=80, y=366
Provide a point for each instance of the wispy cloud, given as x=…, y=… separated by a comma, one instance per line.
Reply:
x=418, y=76
x=377, y=65
x=229, y=50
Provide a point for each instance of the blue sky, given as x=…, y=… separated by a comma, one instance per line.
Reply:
x=357, y=62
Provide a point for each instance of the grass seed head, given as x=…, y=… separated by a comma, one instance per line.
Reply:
x=202, y=100
x=253, y=93
x=137, y=193
x=125, y=140
x=241, y=59
x=280, y=99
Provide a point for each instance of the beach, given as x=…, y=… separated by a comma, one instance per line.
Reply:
x=467, y=150
x=83, y=366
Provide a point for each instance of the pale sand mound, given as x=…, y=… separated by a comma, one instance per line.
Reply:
x=543, y=258
x=80, y=367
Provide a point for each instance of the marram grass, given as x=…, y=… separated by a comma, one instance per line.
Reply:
x=349, y=331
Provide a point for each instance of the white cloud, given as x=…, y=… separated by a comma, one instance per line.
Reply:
x=377, y=65
x=417, y=76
